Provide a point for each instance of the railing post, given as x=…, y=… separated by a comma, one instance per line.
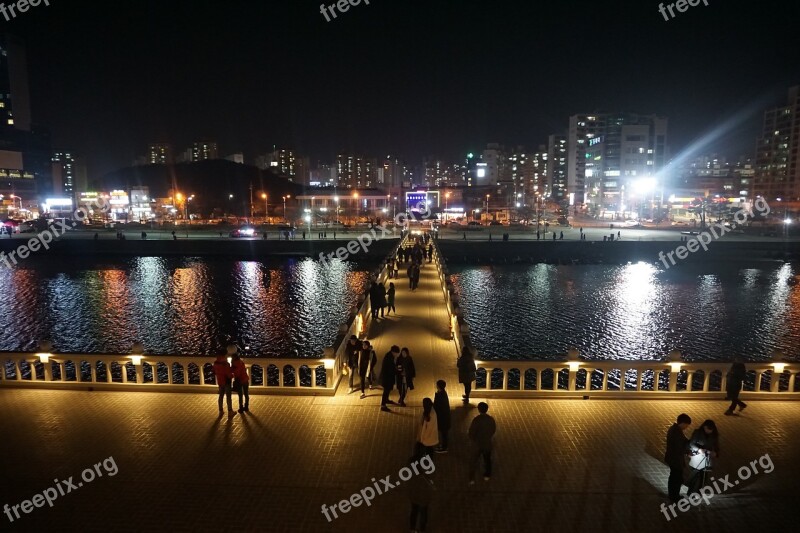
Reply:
x=707, y=381
x=573, y=363
x=674, y=362
x=330, y=367
x=45, y=347
x=778, y=366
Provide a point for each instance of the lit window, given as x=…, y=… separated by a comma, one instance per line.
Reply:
x=11, y=122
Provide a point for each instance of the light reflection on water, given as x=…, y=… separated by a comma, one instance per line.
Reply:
x=634, y=311
x=183, y=306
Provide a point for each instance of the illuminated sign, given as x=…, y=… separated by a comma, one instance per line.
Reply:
x=59, y=202
x=596, y=140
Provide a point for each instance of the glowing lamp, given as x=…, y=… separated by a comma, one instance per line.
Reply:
x=136, y=359
x=328, y=363
x=44, y=357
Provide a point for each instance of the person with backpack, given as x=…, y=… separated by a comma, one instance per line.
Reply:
x=241, y=382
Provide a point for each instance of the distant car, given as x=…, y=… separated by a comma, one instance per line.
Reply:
x=243, y=232
x=473, y=223
x=495, y=223
x=632, y=223
x=26, y=227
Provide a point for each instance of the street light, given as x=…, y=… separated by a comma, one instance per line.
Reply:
x=266, y=206
x=358, y=208
x=284, y=206
x=336, y=199
x=487, y=206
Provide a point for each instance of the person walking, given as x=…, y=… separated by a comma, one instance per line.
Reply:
x=390, y=299
x=704, y=448
x=388, y=376
x=735, y=382
x=421, y=491
x=561, y=236
x=428, y=432
x=441, y=403
x=374, y=299
x=381, y=298
x=481, y=432
x=351, y=351
x=241, y=382
x=416, y=275
x=467, y=370
x=405, y=373
x=410, y=274
x=366, y=363
x=222, y=370
x=677, y=448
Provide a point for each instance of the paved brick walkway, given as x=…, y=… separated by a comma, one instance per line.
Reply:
x=563, y=465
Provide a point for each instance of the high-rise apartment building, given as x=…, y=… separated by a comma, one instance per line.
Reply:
x=159, y=154
x=25, y=152
x=355, y=172
x=609, y=153
x=777, y=157
x=557, y=167
x=204, y=151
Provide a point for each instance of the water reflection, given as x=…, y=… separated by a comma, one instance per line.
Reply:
x=184, y=306
x=635, y=311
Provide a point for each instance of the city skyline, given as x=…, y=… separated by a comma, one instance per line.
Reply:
x=422, y=93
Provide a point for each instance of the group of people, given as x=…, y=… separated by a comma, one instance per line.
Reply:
x=232, y=376
x=703, y=446
x=432, y=436
x=702, y=449
x=381, y=299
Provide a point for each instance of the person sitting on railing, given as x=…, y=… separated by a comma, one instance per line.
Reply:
x=704, y=447
x=222, y=370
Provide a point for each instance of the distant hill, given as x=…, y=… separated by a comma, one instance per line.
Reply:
x=210, y=181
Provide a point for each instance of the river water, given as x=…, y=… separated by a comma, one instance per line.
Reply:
x=636, y=311
x=187, y=306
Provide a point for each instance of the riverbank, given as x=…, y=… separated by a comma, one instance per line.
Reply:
x=227, y=247
x=617, y=252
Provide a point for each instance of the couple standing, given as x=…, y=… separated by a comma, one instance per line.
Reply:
x=397, y=369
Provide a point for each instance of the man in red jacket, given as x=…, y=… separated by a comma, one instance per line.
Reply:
x=222, y=369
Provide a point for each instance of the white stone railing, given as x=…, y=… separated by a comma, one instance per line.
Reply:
x=160, y=373
x=631, y=379
x=457, y=328
x=357, y=325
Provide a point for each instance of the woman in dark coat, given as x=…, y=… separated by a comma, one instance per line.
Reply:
x=704, y=447
x=405, y=374
x=466, y=371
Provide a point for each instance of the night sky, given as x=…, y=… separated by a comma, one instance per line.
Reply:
x=411, y=77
